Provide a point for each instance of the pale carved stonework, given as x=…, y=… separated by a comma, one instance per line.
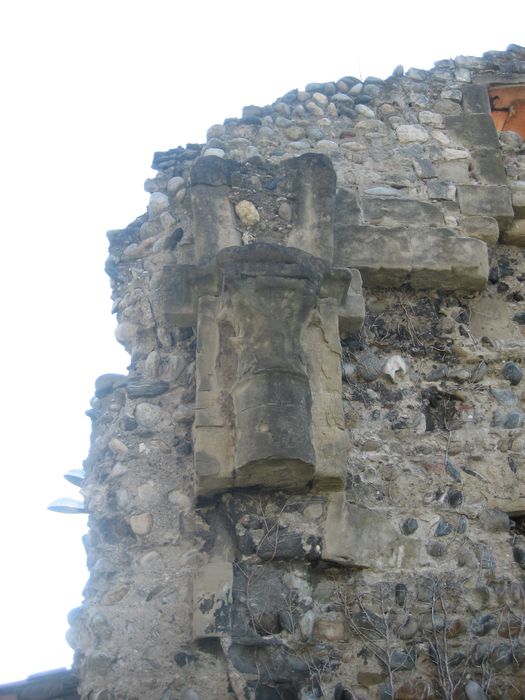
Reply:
x=268, y=315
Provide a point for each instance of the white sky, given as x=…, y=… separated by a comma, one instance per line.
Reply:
x=89, y=90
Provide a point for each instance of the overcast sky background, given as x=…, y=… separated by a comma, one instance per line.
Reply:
x=89, y=90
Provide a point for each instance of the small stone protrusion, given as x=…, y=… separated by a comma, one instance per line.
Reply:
x=247, y=213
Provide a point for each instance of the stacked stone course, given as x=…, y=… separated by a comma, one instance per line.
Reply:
x=311, y=482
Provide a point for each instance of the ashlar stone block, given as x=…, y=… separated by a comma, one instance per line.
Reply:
x=425, y=258
x=268, y=406
x=212, y=600
x=473, y=130
x=486, y=200
x=387, y=211
x=357, y=536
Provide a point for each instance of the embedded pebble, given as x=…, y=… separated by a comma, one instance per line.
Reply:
x=505, y=397
x=494, y=520
x=356, y=89
x=443, y=528
x=369, y=366
x=411, y=133
x=437, y=373
x=512, y=372
x=247, y=213
x=365, y=111
x=294, y=133
x=141, y=524
x=217, y=152
x=314, y=109
x=409, y=526
x=322, y=100
x=285, y=211
x=158, y=202
x=118, y=447
x=512, y=420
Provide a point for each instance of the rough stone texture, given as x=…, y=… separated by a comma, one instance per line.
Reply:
x=312, y=481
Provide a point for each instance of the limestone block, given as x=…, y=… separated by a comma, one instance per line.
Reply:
x=385, y=211
x=487, y=166
x=515, y=234
x=312, y=179
x=493, y=318
x=347, y=209
x=518, y=203
x=268, y=405
x=473, y=130
x=483, y=227
x=212, y=600
x=456, y=171
x=489, y=200
x=425, y=258
x=352, y=310
x=212, y=171
x=214, y=219
x=364, y=538
x=476, y=99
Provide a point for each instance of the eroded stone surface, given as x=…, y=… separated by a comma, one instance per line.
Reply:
x=274, y=509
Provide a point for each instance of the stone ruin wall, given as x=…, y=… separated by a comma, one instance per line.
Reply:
x=312, y=481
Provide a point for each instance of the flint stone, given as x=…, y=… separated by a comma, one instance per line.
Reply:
x=485, y=557
x=483, y=625
x=436, y=549
x=402, y=660
x=505, y=397
x=409, y=526
x=408, y=629
x=474, y=691
x=513, y=420
x=443, y=529
x=519, y=556
x=512, y=372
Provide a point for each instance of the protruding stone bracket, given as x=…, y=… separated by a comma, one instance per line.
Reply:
x=268, y=317
x=268, y=405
